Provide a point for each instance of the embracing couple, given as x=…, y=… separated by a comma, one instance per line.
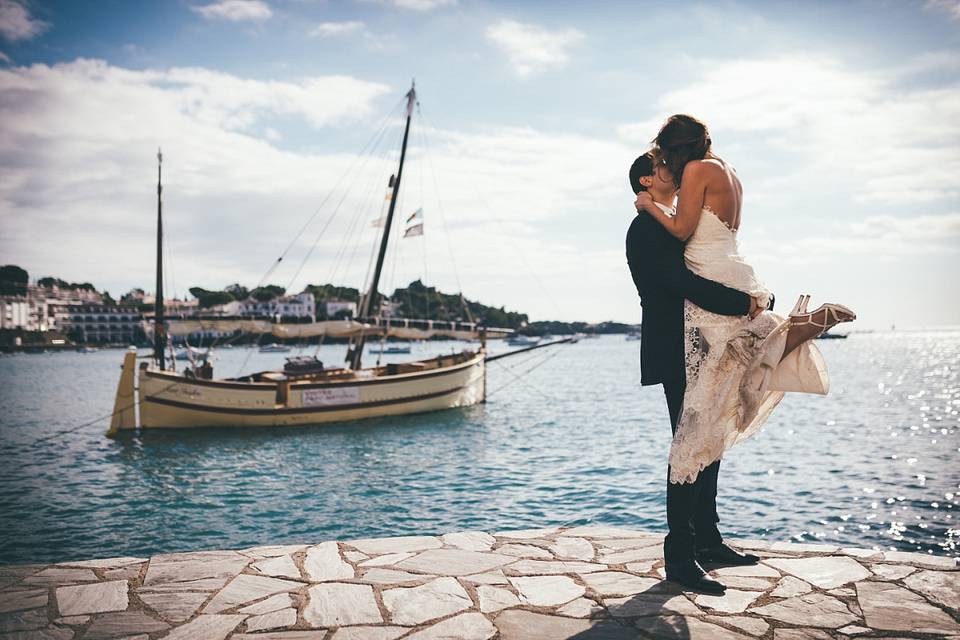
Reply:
x=709, y=335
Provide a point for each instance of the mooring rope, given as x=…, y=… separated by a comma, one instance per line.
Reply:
x=519, y=377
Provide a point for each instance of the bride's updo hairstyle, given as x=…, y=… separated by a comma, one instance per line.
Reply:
x=683, y=138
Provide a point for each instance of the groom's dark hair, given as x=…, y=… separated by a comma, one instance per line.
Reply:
x=641, y=168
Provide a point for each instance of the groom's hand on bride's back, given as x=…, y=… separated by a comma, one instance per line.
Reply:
x=644, y=201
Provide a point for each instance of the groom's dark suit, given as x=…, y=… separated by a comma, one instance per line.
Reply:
x=663, y=282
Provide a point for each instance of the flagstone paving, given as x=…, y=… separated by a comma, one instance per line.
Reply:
x=583, y=583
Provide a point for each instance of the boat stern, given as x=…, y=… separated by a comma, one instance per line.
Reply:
x=125, y=404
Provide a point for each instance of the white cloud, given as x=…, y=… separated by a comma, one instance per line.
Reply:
x=17, y=24
x=235, y=10
x=952, y=7
x=416, y=5
x=868, y=131
x=423, y=5
x=874, y=239
x=531, y=48
x=236, y=103
x=4, y=57
x=328, y=29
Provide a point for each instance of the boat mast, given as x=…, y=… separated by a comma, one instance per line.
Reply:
x=159, y=337
x=355, y=352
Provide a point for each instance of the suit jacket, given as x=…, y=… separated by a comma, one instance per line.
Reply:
x=663, y=282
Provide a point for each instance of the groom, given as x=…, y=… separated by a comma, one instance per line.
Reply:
x=663, y=282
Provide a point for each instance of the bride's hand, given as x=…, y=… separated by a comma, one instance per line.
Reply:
x=644, y=201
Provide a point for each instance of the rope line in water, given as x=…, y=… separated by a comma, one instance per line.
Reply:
x=95, y=420
x=518, y=377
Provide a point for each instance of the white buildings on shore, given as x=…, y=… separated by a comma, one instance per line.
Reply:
x=14, y=313
x=60, y=295
x=81, y=314
x=37, y=308
x=101, y=324
x=340, y=308
x=78, y=313
x=299, y=308
x=389, y=309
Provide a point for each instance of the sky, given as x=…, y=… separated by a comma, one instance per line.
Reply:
x=280, y=123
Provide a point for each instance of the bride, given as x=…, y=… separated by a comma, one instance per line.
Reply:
x=737, y=368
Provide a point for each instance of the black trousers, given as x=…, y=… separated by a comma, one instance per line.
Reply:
x=691, y=508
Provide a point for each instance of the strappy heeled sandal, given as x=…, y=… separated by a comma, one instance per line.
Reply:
x=800, y=316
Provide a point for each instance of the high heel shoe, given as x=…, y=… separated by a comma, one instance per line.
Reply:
x=801, y=307
x=831, y=312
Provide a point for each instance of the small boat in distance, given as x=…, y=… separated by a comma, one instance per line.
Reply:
x=826, y=335
x=385, y=350
x=274, y=347
x=522, y=341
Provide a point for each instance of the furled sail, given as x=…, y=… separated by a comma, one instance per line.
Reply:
x=405, y=328
x=332, y=328
x=413, y=329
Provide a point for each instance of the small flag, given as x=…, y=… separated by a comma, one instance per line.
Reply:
x=379, y=222
x=415, y=230
x=416, y=216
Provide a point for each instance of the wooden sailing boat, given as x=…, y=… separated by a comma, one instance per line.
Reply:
x=304, y=392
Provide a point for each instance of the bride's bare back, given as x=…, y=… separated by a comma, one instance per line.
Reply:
x=722, y=191
x=706, y=184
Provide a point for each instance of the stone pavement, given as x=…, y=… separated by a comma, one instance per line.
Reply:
x=588, y=582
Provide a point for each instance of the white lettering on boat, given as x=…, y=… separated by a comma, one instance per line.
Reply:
x=181, y=390
x=325, y=397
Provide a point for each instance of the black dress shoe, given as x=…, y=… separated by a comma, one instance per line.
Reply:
x=691, y=575
x=722, y=554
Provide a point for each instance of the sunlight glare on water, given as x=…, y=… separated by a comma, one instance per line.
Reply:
x=575, y=440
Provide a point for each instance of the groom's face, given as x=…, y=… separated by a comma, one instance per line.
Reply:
x=662, y=179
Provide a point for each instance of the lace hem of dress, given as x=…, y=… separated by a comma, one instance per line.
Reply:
x=729, y=362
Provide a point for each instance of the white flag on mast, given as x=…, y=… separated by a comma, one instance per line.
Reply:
x=414, y=224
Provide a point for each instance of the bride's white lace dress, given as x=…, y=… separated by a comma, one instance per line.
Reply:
x=735, y=377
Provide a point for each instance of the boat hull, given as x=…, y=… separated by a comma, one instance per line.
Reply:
x=172, y=401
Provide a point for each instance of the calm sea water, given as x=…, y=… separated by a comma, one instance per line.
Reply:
x=567, y=437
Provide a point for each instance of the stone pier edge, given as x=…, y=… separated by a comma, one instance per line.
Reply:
x=559, y=582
